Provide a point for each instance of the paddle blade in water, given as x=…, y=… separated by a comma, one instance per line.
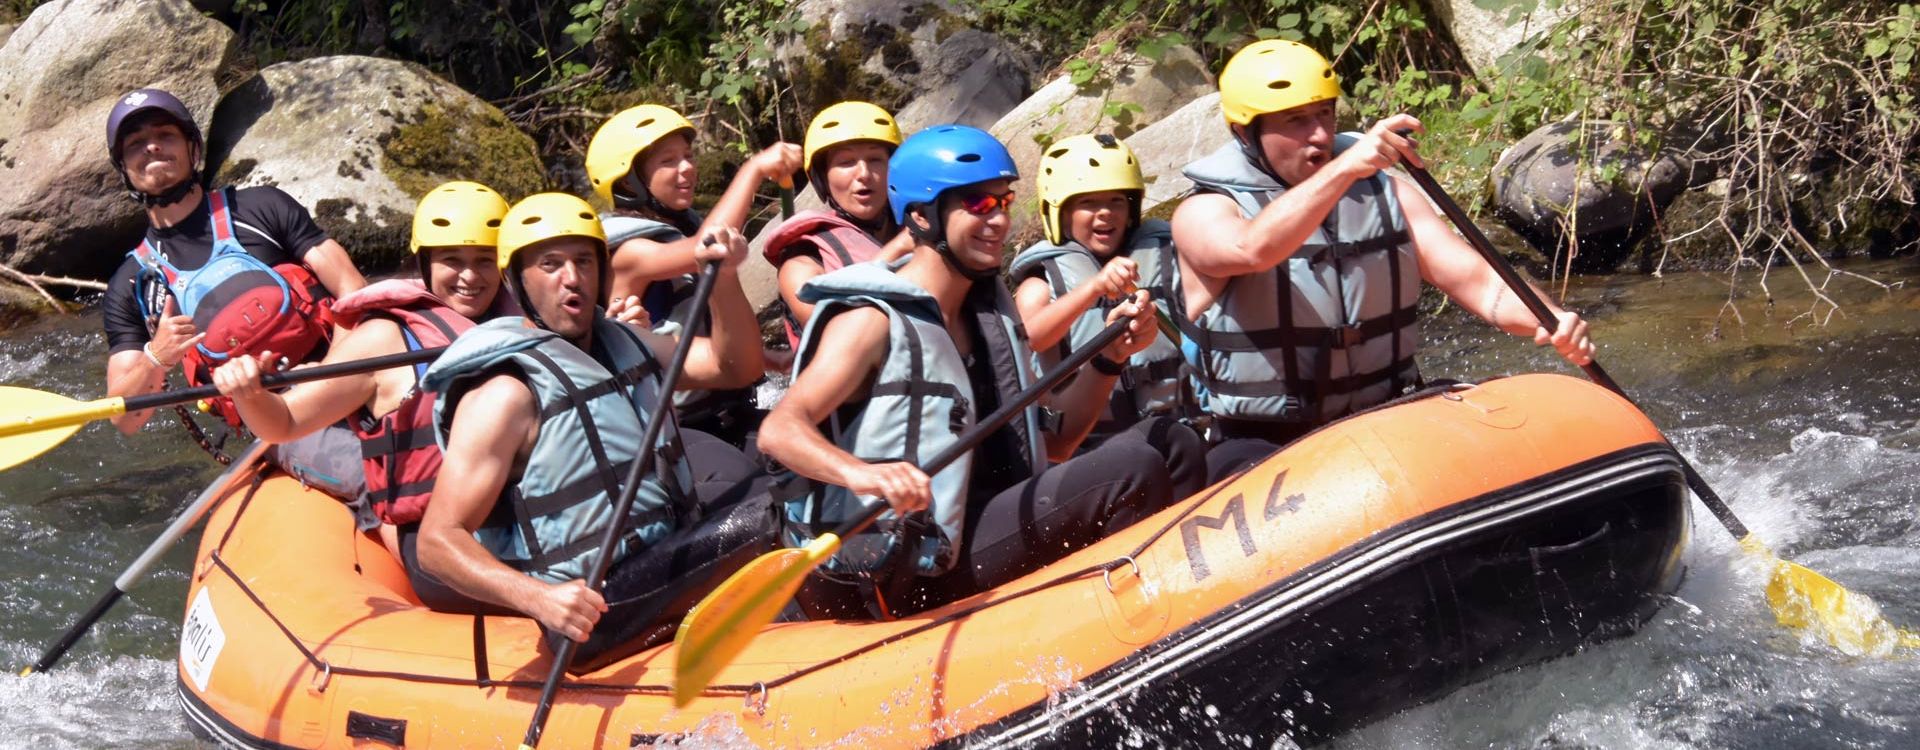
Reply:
x=722, y=625
x=1850, y=622
x=36, y=421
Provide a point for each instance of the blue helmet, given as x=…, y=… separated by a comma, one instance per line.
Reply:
x=941, y=158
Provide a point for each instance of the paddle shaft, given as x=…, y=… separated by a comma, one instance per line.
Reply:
x=786, y=201
x=275, y=380
x=603, y=559
x=1079, y=358
x=181, y=525
x=1539, y=308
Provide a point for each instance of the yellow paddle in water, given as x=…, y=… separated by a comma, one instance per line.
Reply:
x=37, y=421
x=1800, y=598
x=718, y=628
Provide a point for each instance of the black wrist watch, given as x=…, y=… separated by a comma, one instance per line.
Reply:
x=1106, y=366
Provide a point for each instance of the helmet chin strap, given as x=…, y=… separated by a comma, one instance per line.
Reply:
x=641, y=199
x=1250, y=148
x=164, y=198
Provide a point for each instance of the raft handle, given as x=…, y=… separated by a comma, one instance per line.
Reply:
x=325, y=678
x=1106, y=574
x=757, y=699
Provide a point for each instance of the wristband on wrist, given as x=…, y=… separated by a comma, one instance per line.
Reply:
x=147, y=349
x=1106, y=366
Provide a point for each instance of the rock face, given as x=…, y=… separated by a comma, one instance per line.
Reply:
x=62, y=209
x=1062, y=109
x=1179, y=139
x=915, y=57
x=359, y=139
x=1599, y=188
x=1487, y=29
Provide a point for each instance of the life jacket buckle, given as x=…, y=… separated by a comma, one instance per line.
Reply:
x=1350, y=336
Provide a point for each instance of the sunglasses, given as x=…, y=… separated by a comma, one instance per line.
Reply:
x=981, y=204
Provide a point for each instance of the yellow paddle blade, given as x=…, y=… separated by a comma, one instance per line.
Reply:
x=722, y=624
x=33, y=422
x=1850, y=622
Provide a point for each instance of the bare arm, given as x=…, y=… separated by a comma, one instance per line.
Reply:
x=494, y=426
x=334, y=268
x=130, y=373
x=731, y=356
x=1456, y=269
x=791, y=433
x=308, y=407
x=1049, y=320
x=795, y=273
x=1084, y=400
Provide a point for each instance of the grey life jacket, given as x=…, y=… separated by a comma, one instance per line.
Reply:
x=1154, y=383
x=593, y=412
x=920, y=403
x=1330, y=331
x=670, y=303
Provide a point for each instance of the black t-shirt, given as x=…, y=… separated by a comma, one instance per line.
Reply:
x=269, y=224
x=1001, y=460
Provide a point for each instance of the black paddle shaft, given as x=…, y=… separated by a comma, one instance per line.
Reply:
x=1547, y=320
x=617, y=527
x=275, y=380
x=1079, y=358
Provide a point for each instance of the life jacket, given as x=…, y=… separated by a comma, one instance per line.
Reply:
x=1154, y=382
x=397, y=450
x=668, y=301
x=241, y=304
x=1330, y=331
x=920, y=403
x=840, y=243
x=549, y=521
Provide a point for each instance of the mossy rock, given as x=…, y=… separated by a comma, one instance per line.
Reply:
x=358, y=140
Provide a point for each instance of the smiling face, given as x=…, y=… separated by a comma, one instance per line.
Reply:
x=465, y=278
x=561, y=279
x=667, y=169
x=977, y=239
x=1297, y=142
x=1099, y=220
x=155, y=154
x=857, y=178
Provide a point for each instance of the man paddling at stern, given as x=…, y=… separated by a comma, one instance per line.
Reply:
x=898, y=365
x=219, y=274
x=1301, y=260
x=538, y=419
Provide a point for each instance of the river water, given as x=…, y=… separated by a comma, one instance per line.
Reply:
x=1810, y=428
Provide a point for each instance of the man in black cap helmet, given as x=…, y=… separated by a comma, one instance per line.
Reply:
x=204, y=256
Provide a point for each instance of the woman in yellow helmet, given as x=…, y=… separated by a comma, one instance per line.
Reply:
x=455, y=231
x=1096, y=253
x=845, y=157
x=641, y=162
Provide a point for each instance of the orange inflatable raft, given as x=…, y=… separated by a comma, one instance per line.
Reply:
x=1372, y=565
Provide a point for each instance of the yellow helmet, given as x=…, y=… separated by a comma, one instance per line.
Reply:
x=1085, y=164
x=845, y=122
x=547, y=216
x=456, y=214
x=1272, y=75
x=611, y=152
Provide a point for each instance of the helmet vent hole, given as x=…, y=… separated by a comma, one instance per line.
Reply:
x=643, y=123
x=1049, y=170
x=834, y=124
x=1093, y=162
x=493, y=223
x=1056, y=153
x=1277, y=85
x=1328, y=73
x=882, y=121
x=442, y=223
x=586, y=216
x=969, y=158
x=531, y=220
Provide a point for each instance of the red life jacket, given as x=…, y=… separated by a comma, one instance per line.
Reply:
x=840, y=243
x=398, y=450
x=242, y=305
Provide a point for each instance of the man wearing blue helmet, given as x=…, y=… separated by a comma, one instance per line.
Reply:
x=919, y=353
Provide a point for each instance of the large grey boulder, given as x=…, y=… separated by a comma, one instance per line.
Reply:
x=1588, y=181
x=358, y=140
x=1061, y=108
x=1486, y=30
x=921, y=58
x=1181, y=138
x=63, y=210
